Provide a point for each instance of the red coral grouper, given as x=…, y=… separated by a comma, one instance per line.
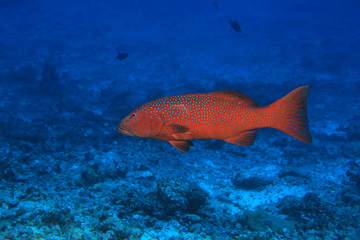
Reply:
x=224, y=115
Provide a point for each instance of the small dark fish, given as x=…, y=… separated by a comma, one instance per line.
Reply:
x=216, y=5
x=121, y=56
x=235, y=25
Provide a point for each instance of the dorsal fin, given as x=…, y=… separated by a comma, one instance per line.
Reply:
x=229, y=94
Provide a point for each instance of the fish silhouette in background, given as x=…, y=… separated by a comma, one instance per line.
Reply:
x=235, y=25
x=224, y=115
x=121, y=56
x=216, y=4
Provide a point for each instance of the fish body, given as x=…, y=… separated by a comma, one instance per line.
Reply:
x=224, y=115
x=235, y=25
x=216, y=4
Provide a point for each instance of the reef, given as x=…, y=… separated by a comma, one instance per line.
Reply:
x=70, y=72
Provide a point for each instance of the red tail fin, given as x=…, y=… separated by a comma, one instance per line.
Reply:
x=290, y=114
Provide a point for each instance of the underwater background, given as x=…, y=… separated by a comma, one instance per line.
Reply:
x=71, y=70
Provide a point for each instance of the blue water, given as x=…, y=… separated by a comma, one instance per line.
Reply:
x=71, y=70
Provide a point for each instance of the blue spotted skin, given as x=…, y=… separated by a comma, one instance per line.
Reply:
x=224, y=115
x=206, y=116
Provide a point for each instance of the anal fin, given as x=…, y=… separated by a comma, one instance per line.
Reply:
x=244, y=139
x=183, y=146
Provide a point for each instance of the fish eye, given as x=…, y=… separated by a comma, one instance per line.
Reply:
x=133, y=115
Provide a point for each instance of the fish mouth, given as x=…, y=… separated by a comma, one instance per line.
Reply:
x=122, y=130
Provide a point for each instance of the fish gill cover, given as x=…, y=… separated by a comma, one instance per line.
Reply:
x=71, y=70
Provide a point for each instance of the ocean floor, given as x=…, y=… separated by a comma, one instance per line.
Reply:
x=69, y=72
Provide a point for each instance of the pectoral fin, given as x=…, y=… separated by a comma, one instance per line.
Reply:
x=176, y=131
x=176, y=128
x=183, y=146
x=244, y=139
